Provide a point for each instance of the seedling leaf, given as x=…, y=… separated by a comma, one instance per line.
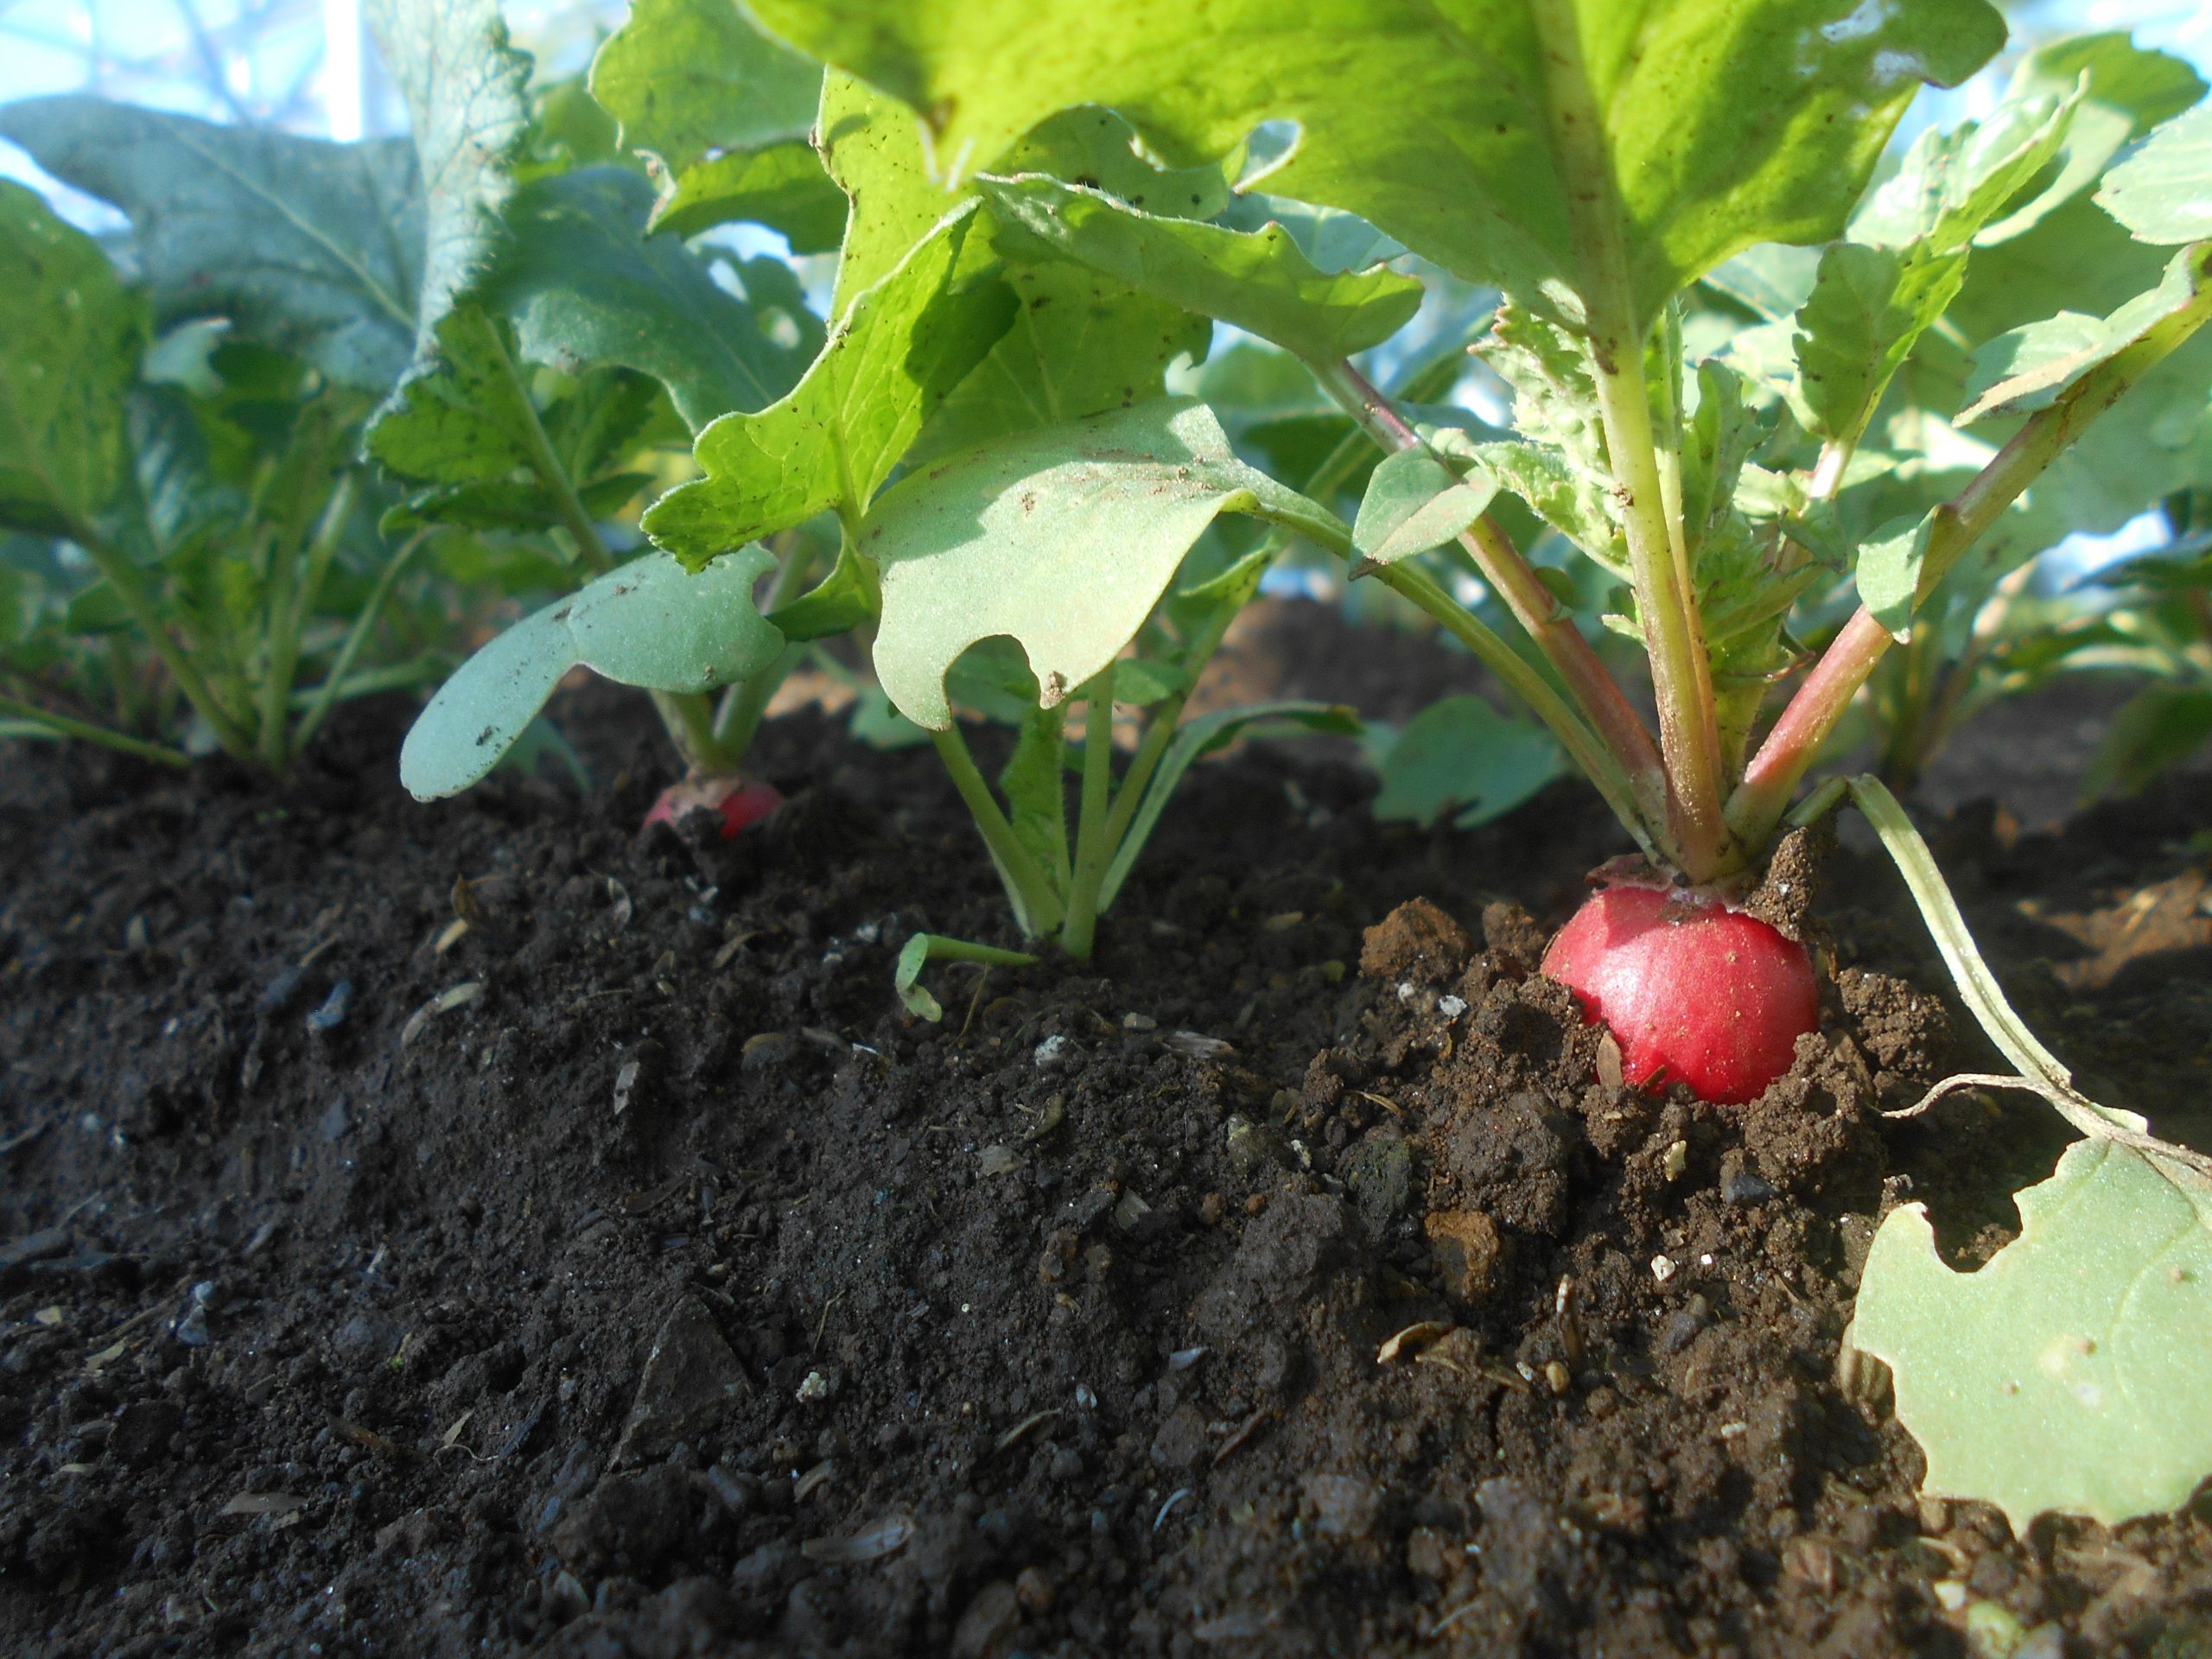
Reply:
x=1063, y=540
x=923, y=949
x=312, y=247
x=650, y=624
x=2067, y=1374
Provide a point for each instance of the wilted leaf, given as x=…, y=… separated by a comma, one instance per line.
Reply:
x=1063, y=540
x=313, y=247
x=2067, y=1373
x=891, y=358
x=649, y=623
x=1723, y=124
x=74, y=336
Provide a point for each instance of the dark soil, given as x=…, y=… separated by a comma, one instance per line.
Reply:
x=612, y=1268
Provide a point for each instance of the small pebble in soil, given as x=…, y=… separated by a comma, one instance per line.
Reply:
x=1741, y=1186
x=1662, y=1268
x=330, y=1012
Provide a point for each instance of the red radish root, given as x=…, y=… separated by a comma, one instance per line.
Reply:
x=741, y=805
x=1693, y=991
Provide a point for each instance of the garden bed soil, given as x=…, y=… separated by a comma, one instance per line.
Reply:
x=482, y=1228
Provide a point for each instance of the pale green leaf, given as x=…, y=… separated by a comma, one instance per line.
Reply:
x=2067, y=1374
x=649, y=623
x=1571, y=501
x=1260, y=281
x=1868, y=308
x=2163, y=191
x=1461, y=756
x=585, y=288
x=691, y=80
x=1890, y=569
x=894, y=355
x=1954, y=181
x=1413, y=502
x=1724, y=124
x=464, y=88
x=2032, y=368
x=312, y=247
x=464, y=416
x=75, y=335
x=783, y=187
x=1061, y=540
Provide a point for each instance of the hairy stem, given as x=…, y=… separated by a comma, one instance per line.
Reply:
x=1775, y=772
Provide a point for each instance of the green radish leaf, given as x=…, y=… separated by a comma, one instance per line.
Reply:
x=1459, y=755
x=906, y=979
x=2067, y=1374
x=722, y=114
x=2159, y=192
x=840, y=602
x=464, y=416
x=464, y=87
x=1722, y=124
x=1413, y=502
x=312, y=247
x=586, y=289
x=1139, y=683
x=2155, y=730
x=1954, y=181
x=894, y=355
x=2033, y=367
x=74, y=337
x=1260, y=282
x=1868, y=309
x=1196, y=739
x=649, y=623
x=1889, y=571
x=1063, y=540
x=1034, y=783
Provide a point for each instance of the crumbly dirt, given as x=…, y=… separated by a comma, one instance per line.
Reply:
x=611, y=1268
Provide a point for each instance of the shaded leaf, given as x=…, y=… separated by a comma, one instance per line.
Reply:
x=2067, y=1373
x=75, y=335
x=1413, y=502
x=1459, y=755
x=313, y=247
x=1890, y=569
x=649, y=623
x=1063, y=540
x=1261, y=282
x=1868, y=308
x=2155, y=730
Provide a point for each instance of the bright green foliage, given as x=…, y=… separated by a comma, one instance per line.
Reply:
x=585, y=291
x=2032, y=368
x=463, y=85
x=1558, y=464
x=1721, y=124
x=1460, y=756
x=467, y=417
x=1867, y=310
x=1413, y=503
x=313, y=247
x=2067, y=1374
x=2159, y=192
x=720, y=114
x=649, y=623
x=1260, y=282
x=893, y=357
x=1063, y=540
x=75, y=335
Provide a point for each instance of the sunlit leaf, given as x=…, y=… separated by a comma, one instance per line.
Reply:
x=2163, y=192
x=649, y=623
x=1413, y=503
x=2067, y=1373
x=1061, y=540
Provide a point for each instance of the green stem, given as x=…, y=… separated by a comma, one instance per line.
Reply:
x=63, y=726
x=743, y=706
x=1035, y=904
x=1666, y=597
x=1094, y=845
x=1775, y=772
x=326, y=696
x=130, y=588
x=291, y=599
x=1612, y=718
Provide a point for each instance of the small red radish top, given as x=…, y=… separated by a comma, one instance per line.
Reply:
x=741, y=805
x=1693, y=991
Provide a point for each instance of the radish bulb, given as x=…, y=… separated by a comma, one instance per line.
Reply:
x=739, y=805
x=1693, y=991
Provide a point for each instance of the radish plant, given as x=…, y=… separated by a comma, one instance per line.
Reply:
x=1622, y=173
